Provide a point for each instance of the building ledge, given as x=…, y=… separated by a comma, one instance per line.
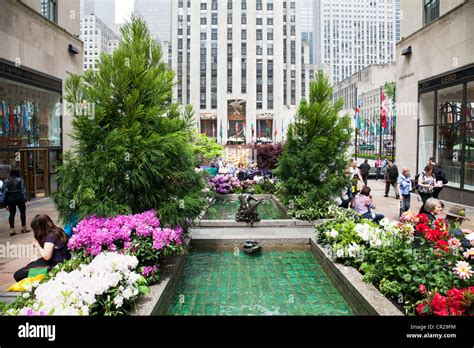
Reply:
x=39, y=17
x=445, y=17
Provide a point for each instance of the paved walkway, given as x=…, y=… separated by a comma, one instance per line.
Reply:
x=17, y=251
x=389, y=206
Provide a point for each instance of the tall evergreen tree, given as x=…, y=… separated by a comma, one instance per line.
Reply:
x=134, y=149
x=314, y=160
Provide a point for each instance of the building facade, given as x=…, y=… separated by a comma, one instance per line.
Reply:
x=98, y=38
x=435, y=71
x=104, y=9
x=350, y=35
x=250, y=66
x=362, y=94
x=41, y=49
x=157, y=14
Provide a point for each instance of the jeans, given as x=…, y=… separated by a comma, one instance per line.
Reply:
x=378, y=173
x=424, y=197
x=12, y=204
x=395, y=187
x=404, y=204
x=373, y=216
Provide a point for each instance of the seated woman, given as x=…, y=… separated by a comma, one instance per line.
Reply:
x=363, y=205
x=51, y=242
x=432, y=208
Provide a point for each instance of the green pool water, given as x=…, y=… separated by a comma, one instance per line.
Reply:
x=226, y=210
x=273, y=283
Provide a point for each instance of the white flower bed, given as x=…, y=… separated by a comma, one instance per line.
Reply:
x=73, y=293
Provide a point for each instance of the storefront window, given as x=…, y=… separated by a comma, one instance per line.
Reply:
x=30, y=116
x=425, y=149
x=449, y=133
x=427, y=111
x=469, y=139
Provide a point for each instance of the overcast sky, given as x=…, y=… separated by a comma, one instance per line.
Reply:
x=123, y=10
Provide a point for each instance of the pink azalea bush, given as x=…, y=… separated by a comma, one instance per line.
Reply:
x=139, y=235
x=224, y=183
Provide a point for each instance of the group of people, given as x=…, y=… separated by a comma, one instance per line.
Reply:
x=248, y=171
x=429, y=184
x=49, y=239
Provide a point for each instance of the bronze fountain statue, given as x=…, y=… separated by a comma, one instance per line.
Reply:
x=248, y=212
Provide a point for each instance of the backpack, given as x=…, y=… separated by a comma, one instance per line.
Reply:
x=393, y=173
x=417, y=176
x=364, y=169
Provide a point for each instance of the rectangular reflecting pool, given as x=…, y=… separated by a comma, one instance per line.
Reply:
x=274, y=282
x=225, y=209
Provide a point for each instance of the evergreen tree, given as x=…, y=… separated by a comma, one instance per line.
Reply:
x=134, y=152
x=314, y=160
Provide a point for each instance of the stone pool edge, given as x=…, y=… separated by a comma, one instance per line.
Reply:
x=365, y=297
x=364, y=293
x=148, y=304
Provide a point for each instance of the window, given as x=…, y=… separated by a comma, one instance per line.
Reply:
x=203, y=6
x=259, y=5
x=49, y=9
x=203, y=21
x=244, y=34
x=431, y=11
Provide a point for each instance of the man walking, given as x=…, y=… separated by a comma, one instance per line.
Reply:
x=364, y=171
x=391, y=178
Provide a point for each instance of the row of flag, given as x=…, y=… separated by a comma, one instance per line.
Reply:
x=372, y=124
x=240, y=128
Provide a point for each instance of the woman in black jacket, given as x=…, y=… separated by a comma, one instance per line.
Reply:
x=15, y=196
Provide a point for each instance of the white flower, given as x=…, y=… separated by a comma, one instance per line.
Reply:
x=469, y=253
x=333, y=233
x=384, y=222
x=463, y=270
x=26, y=295
x=339, y=253
x=118, y=300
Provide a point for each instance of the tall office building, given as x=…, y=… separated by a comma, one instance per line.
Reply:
x=350, y=35
x=104, y=9
x=248, y=57
x=157, y=14
x=307, y=26
x=98, y=38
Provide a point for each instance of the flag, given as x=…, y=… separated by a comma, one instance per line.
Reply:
x=357, y=116
x=236, y=128
x=253, y=130
x=282, y=130
x=372, y=128
x=221, y=132
x=213, y=130
x=384, y=109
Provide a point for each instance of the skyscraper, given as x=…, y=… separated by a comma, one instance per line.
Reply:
x=98, y=38
x=350, y=35
x=104, y=9
x=157, y=14
x=248, y=56
x=307, y=27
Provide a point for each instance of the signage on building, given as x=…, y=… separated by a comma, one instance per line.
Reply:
x=30, y=77
x=457, y=76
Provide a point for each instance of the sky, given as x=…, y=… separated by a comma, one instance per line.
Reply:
x=123, y=9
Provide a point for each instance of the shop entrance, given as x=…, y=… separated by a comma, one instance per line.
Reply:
x=34, y=166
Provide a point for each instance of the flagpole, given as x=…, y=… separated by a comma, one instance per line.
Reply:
x=356, y=126
x=381, y=127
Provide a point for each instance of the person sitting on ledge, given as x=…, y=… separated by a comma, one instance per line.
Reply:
x=51, y=242
x=363, y=205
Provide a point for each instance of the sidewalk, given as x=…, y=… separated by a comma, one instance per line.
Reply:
x=389, y=206
x=17, y=251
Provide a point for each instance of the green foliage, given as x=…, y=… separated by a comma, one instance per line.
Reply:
x=314, y=157
x=205, y=148
x=267, y=156
x=134, y=152
x=389, y=88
